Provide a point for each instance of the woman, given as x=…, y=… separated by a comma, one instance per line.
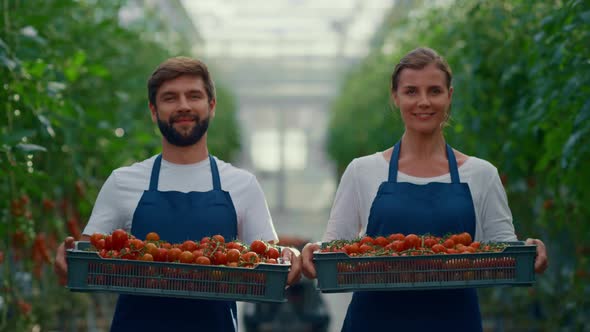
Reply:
x=421, y=185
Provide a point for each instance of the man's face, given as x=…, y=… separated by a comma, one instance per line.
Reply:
x=183, y=110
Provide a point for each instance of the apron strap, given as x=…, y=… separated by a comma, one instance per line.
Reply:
x=155, y=173
x=393, y=163
x=214, y=174
x=453, y=169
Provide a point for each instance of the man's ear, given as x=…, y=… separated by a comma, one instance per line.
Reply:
x=212, y=105
x=153, y=111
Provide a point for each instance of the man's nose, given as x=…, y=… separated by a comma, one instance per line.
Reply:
x=183, y=104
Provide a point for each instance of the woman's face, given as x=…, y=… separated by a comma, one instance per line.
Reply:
x=423, y=98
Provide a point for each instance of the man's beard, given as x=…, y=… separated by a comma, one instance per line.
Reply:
x=176, y=138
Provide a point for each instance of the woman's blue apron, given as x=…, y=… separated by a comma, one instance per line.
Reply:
x=435, y=208
x=176, y=217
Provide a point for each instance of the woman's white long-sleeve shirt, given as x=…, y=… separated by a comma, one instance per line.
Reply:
x=363, y=176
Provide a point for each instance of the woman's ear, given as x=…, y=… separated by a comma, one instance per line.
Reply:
x=394, y=98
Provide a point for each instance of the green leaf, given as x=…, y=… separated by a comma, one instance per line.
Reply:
x=30, y=147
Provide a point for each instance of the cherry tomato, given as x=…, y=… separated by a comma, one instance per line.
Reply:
x=174, y=254
x=218, y=238
x=367, y=239
x=250, y=257
x=187, y=257
x=94, y=239
x=147, y=257
x=381, y=241
x=412, y=241
x=152, y=236
x=258, y=247
x=219, y=258
x=120, y=237
x=189, y=245
x=233, y=255
x=203, y=260
x=272, y=253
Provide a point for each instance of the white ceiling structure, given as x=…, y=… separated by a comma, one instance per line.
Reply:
x=274, y=28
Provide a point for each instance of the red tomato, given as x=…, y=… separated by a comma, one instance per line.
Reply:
x=152, y=236
x=218, y=238
x=365, y=248
x=449, y=243
x=235, y=245
x=250, y=257
x=272, y=253
x=429, y=242
x=271, y=261
x=108, y=242
x=464, y=238
x=367, y=239
x=381, y=241
x=94, y=238
x=219, y=258
x=397, y=236
x=187, y=257
x=399, y=245
x=233, y=255
x=438, y=248
x=258, y=247
x=147, y=257
x=351, y=248
x=101, y=244
x=136, y=244
x=412, y=241
x=475, y=244
x=174, y=254
x=189, y=245
x=203, y=260
x=120, y=237
x=161, y=255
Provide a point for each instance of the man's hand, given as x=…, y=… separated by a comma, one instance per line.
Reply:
x=60, y=265
x=541, y=261
x=292, y=255
x=307, y=260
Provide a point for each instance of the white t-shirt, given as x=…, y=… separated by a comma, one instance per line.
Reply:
x=363, y=176
x=120, y=194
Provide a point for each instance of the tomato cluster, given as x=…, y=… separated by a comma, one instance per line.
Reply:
x=208, y=251
x=403, y=245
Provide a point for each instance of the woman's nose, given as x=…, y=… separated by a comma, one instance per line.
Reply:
x=423, y=100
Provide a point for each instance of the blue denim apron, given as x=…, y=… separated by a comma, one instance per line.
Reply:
x=177, y=217
x=435, y=208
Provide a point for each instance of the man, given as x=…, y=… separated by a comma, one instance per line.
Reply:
x=181, y=194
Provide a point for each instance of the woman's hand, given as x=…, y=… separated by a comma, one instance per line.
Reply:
x=307, y=260
x=292, y=255
x=541, y=261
